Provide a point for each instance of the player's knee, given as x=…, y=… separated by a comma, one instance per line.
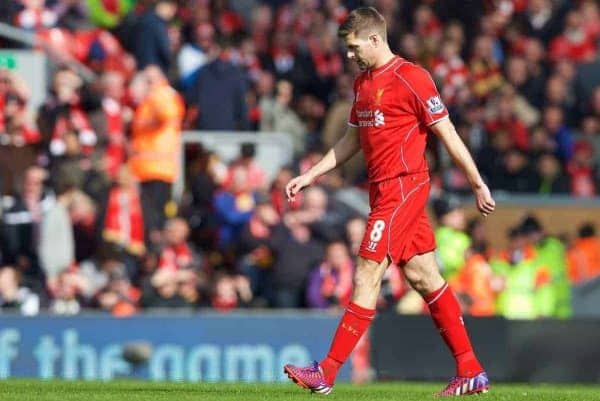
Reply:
x=366, y=280
x=416, y=278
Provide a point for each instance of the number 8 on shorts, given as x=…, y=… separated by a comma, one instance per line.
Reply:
x=376, y=233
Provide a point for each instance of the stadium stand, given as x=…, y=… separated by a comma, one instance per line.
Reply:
x=88, y=220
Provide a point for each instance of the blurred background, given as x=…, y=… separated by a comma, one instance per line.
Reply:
x=145, y=145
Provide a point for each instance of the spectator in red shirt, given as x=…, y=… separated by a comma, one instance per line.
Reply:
x=123, y=228
x=261, y=25
x=177, y=254
x=228, y=21
x=450, y=69
x=116, y=117
x=14, y=122
x=575, y=42
x=102, y=52
x=427, y=25
x=505, y=119
x=336, y=10
x=581, y=169
x=19, y=131
x=277, y=192
x=62, y=116
x=35, y=15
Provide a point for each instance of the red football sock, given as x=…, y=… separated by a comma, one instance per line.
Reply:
x=446, y=315
x=354, y=323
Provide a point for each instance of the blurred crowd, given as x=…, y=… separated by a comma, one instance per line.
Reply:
x=87, y=215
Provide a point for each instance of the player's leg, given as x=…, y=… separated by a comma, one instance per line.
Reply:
x=358, y=315
x=422, y=273
x=384, y=199
x=320, y=377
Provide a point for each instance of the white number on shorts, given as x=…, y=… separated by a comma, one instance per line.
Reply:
x=377, y=230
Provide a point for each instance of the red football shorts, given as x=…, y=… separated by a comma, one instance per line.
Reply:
x=398, y=224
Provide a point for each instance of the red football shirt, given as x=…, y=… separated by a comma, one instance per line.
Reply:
x=393, y=106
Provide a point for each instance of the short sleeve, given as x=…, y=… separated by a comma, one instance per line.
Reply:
x=427, y=104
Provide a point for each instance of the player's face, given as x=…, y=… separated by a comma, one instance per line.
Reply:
x=359, y=49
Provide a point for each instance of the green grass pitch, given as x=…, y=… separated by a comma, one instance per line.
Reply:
x=13, y=390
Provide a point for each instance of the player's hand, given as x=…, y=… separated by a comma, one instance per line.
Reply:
x=485, y=202
x=296, y=185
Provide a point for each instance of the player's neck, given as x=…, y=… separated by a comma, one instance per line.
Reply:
x=385, y=58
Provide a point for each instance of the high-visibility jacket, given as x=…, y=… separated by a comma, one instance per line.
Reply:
x=450, y=252
x=584, y=260
x=528, y=292
x=474, y=279
x=156, y=135
x=108, y=13
x=551, y=253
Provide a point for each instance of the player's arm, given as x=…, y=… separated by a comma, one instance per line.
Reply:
x=343, y=150
x=446, y=131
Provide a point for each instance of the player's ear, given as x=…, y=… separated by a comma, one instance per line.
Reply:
x=374, y=39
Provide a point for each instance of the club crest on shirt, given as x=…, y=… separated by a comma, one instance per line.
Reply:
x=378, y=96
x=435, y=105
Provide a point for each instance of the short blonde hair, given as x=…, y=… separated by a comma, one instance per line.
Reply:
x=363, y=19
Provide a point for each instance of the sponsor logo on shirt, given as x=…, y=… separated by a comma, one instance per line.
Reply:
x=379, y=118
x=369, y=118
x=435, y=105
